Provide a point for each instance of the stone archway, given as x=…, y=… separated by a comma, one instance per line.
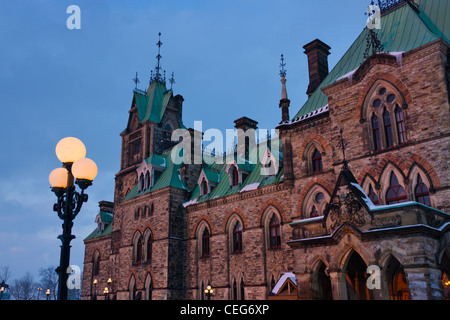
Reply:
x=356, y=278
x=396, y=280
x=321, y=283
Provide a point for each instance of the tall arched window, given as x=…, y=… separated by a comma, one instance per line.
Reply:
x=237, y=238
x=139, y=250
x=242, y=290
x=421, y=192
x=388, y=128
x=395, y=193
x=96, y=263
x=400, y=125
x=141, y=182
x=205, y=243
x=384, y=109
x=149, y=247
x=317, y=161
x=235, y=290
x=274, y=233
x=376, y=133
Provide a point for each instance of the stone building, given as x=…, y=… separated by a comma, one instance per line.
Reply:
x=350, y=201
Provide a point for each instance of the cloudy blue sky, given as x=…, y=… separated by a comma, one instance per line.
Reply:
x=56, y=82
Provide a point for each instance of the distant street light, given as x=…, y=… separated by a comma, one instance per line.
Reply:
x=71, y=152
x=48, y=294
x=209, y=291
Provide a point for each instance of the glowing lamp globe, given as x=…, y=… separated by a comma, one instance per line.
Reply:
x=84, y=169
x=70, y=149
x=58, y=178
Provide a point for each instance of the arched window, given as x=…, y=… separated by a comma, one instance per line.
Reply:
x=388, y=128
x=147, y=180
x=235, y=177
x=149, y=247
x=141, y=182
x=235, y=290
x=274, y=233
x=421, y=192
x=376, y=133
x=373, y=196
x=139, y=250
x=204, y=187
x=400, y=125
x=148, y=286
x=317, y=161
x=96, y=263
x=237, y=238
x=205, y=243
x=384, y=108
x=395, y=193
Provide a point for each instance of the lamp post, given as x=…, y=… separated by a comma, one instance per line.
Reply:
x=3, y=287
x=71, y=152
x=209, y=291
x=94, y=296
x=48, y=294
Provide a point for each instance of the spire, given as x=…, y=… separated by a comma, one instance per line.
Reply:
x=284, y=102
x=172, y=81
x=283, y=79
x=156, y=76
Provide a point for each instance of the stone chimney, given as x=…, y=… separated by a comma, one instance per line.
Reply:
x=317, y=53
x=246, y=135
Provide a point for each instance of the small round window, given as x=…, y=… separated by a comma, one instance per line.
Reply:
x=390, y=98
x=382, y=91
x=320, y=197
x=377, y=103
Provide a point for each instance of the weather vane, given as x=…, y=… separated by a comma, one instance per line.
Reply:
x=282, y=65
x=157, y=75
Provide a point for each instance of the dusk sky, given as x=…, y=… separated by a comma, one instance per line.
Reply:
x=56, y=82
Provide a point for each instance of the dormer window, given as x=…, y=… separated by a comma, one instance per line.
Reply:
x=204, y=187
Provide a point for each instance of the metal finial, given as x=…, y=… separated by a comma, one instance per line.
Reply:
x=282, y=65
x=172, y=81
x=136, y=80
x=158, y=76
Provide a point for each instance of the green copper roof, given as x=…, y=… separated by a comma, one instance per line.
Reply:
x=254, y=180
x=96, y=233
x=402, y=30
x=152, y=105
x=170, y=177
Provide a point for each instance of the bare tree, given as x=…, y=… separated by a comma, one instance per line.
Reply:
x=24, y=288
x=5, y=274
x=49, y=280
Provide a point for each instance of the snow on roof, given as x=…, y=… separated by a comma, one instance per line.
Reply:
x=282, y=280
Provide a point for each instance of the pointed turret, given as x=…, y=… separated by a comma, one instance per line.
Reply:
x=284, y=102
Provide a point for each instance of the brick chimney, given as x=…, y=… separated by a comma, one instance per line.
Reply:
x=317, y=53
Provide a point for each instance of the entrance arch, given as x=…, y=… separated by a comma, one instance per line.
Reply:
x=321, y=283
x=396, y=280
x=356, y=278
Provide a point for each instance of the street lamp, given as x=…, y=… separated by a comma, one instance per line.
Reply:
x=209, y=291
x=3, y=287
x=71, y=152
x=48, y=293
x=105, y=292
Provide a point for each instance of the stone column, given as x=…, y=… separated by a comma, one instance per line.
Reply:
x=338, y=284
x=424, y=283
x=304, y=289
